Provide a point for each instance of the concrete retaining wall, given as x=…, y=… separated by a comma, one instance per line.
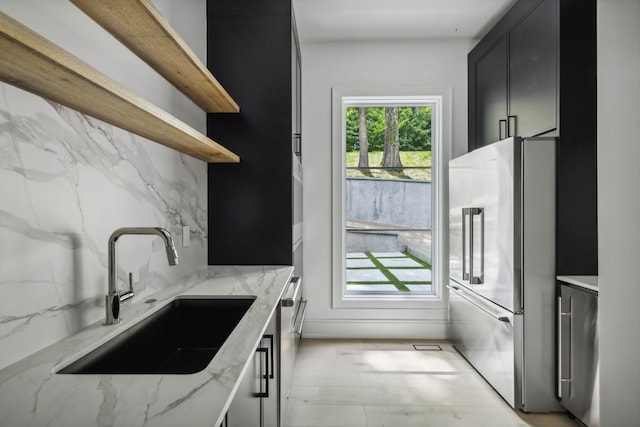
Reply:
x=405, y=203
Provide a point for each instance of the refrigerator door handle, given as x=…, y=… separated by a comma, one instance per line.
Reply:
x=498, y=316
x=471, y=213
x=465, y=275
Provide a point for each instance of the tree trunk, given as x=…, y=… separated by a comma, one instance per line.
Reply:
x=363, y=161
x=391, y=154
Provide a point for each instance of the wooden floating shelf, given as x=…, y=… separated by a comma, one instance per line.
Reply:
x=33, y=63
x=140, y=26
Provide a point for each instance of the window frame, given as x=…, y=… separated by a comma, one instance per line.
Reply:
x=440, y=102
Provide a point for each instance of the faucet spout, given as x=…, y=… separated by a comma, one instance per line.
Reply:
x=170, y=247
x=113, y=298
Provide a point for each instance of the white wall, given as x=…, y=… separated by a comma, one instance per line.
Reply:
x=439, y=64
x=618, y=210
x=67, y=181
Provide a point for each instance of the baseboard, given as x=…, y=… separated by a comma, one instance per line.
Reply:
x=375, y=329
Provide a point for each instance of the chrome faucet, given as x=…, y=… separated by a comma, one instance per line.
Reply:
x=114, y=298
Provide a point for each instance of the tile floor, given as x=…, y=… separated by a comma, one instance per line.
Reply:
x=366, y=383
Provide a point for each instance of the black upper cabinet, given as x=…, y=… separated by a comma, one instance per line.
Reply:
x=533, y=71
x=491, y=93
x=249, y=50
x=534, y=74
x=515, y=78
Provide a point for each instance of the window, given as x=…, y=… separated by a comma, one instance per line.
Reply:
x=387, y=217
x=388, y=202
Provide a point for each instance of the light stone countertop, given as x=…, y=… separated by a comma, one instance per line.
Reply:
x=587, y=282
x=32, y=395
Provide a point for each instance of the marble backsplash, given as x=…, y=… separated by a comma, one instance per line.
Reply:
x=67, y=181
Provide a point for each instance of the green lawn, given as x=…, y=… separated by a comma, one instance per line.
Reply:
x=408, y=159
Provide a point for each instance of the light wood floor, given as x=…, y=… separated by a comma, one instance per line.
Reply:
x=363, y=383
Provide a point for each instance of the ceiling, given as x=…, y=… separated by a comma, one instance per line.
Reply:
x=351, y=20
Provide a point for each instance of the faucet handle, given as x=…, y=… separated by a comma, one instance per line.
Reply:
x=128, y=294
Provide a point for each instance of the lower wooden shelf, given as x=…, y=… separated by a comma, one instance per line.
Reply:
x=35, y=64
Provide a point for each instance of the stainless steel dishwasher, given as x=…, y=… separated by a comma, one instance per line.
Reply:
x=292, y=312
x=578, y=361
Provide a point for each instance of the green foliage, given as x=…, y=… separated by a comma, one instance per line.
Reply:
x=414, y=129
x=353, y=136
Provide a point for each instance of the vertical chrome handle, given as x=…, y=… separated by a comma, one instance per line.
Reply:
x=502, y=129
x=569, y=365
x=471, y=212
x=480, y=277
x=559, y=349
x=471, y=248
x=465, y=275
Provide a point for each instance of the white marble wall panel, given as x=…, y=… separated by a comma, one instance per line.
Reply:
x=67, y=181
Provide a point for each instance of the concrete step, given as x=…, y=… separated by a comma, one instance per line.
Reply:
x=418, y=244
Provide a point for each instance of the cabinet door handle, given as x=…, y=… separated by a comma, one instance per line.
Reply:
x=297, y=144
x=270, y=369
x=512, y=129
x=502, y=129
x=263, y=376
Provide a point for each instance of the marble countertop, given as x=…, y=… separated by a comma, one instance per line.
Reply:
x=587, y=282
x=32, y=394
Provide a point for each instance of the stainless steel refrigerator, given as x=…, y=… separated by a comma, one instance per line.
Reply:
x=502, y=267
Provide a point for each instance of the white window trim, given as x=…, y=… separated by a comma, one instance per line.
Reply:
x=440, y=101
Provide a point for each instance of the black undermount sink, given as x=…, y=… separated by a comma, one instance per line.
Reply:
x=181, y=338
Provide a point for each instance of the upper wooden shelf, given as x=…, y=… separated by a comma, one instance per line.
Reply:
x=140, y=26
x=33, y=63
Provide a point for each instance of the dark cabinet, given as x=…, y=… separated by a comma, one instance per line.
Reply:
x=252, y=50
x=578, y=351
x=491, y=94
x=514, y=80
x=534, y=74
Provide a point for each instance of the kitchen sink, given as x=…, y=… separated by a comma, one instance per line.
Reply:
x=180, y=338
